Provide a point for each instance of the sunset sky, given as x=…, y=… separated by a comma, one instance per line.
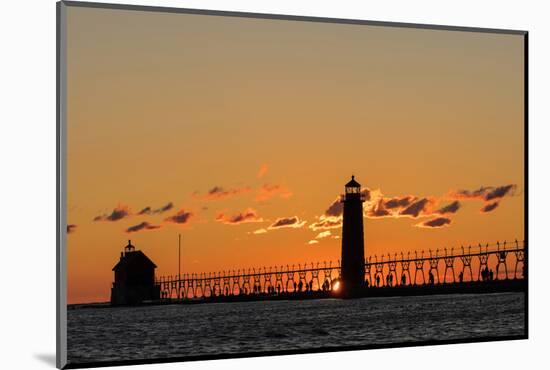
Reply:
x=240, y=133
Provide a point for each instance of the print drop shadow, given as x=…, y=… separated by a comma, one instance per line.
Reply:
x=47, y=358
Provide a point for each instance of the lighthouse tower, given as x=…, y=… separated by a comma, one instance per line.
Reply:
x=353, y=252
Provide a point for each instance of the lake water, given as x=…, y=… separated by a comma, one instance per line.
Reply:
x=135, y=333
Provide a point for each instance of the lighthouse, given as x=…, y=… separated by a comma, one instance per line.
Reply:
x=353, y=250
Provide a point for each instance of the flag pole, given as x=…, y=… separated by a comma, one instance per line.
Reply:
x=179, y=264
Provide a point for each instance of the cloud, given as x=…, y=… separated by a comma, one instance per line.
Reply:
x=500, y=192
x=323, y=234
x=378, y=206
x=402, y=206
x=399, y=202
x=377, y=209
x=149, y=211
x=366, y=193
x=145, y=211
x=332, y=218
x=181, y=217
x=492, y=195
x=417, y=208
x=467, y=194
x=249, y=215
x=71, y=228
x=142, y=226
x=335, y=209
x=435, y=222
x=118, y=213
x=371, y=197
x=326, y=223
x=283, y=222
x=165, y=208
x=405, y=206
x=218, y=192
x=449, y=208
x=268, y=191
x=489, y=207
x=485, y=193
x=292, y=222
x=313, y=241
x=262, y=171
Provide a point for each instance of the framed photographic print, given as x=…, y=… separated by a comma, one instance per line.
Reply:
x=234, y=184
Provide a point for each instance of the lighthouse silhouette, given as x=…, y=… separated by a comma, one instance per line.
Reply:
x=353, y=249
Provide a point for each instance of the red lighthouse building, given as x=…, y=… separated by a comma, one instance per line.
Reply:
x=353, y=250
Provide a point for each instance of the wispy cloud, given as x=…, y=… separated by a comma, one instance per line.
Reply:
x=501, y=191
x=449, y=208
x=378, y=206
x=142, y=226
x=485, y=193
x=404, y=206
x=145, y=211
x=491, y=195
x=323, y=234
x=268, y=191
x=284, y=222
x=164, y=208
x=335, y=209
x=435, y=223
x=181, y=217
x=489, y=207
x=149, y=211
x=249, y=215
x=399, y=202
x=366, y=193
x=118, y=213
x=262, y=171
x=71, y=228
x=313, y=242
x=326, y=223
x=218, y=193
x=377, y=210
x=259, y=231
x=417, y=208
x=293, y=222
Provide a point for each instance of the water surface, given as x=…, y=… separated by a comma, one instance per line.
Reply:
x=135, y=333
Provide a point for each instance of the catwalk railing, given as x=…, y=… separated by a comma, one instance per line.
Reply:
x=481, y=263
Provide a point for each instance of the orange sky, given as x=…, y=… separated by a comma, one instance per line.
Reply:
x=246, y=124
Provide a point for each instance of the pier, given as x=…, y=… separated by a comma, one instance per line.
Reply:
x=473, y=269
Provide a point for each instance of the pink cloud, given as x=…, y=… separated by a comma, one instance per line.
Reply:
x=218, y=192
x=268, y=191
x=249, y=215
x=489, y=207
x=141, y=227
x=291, y=222
x=181, y=217
x=120, y=212
x=326, y=223
x=435, y=223
x=262, y=171
x=485, y=193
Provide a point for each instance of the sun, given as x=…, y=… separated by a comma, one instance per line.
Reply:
x=336, y=286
